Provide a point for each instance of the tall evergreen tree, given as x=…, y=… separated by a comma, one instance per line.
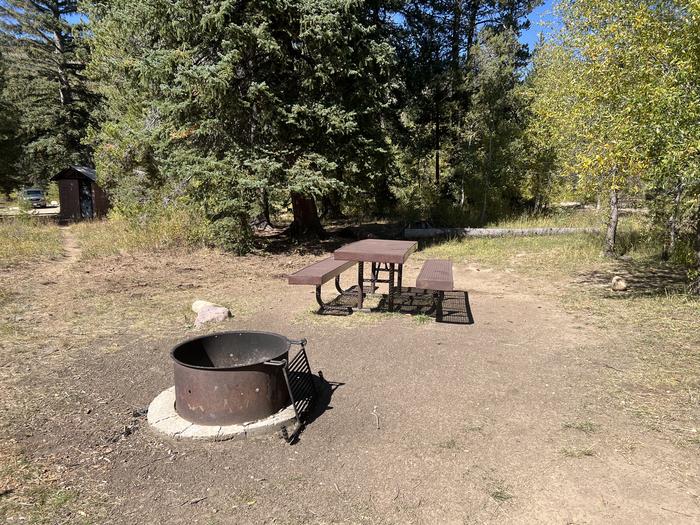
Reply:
x=45, y=58
x=237, y=102
x=437, y=46
x=9, y=139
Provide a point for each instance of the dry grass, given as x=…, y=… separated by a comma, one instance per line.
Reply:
x=561, y=255
x=571, y=218
x=652, y=345
x=587, y=427
x=23, y=240
x=651, y=334
x=31, y=494
x=532, y=254
x=576, y=452
x=117, y=235
x=501, y=493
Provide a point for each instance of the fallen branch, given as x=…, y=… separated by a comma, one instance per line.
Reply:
x=678, y=512
x=193, y=501
x=424, y=233
x=376, y=416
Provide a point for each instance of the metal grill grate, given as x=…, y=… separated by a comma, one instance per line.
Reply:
x=302, y=389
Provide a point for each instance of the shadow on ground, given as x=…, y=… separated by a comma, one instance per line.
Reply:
x=277, y=240
x=316, y=405
x=456, y=308
x=646, y=278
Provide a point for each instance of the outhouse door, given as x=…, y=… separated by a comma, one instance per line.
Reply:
x=85, y=188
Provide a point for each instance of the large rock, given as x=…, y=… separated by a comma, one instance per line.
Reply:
x=618, y=284
x=212, y=314
x=199, y=304
x=209, y=312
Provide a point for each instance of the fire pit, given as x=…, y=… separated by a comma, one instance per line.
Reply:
x=231, y=377
x=234, y=385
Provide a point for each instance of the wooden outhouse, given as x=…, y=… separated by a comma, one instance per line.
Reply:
x=79, y=195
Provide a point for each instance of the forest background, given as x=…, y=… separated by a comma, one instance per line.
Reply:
x=231, y=115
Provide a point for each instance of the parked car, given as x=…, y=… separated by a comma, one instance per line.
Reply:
x=35, y=197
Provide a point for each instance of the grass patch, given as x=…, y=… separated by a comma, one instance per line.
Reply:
x=118, y=235
x=450, y=444
x=572, y=218
x=558, y=254
x=587, y=427
x=501, y=493
x=24, y=239
x=575, y=452
x=422, y=319
x=655, y=324
x=561, y=254
x=28, y=494
x=658, y=338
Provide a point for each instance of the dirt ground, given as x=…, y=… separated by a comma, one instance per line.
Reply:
x=511, y=419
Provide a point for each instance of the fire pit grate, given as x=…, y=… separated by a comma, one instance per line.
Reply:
x=302, y=390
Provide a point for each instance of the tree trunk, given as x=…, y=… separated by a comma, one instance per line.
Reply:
x=437, y=143
x=611, y=233
x=673, y=224
x=266, y=206
x=64, y=89
x=471, y=28
x=695, y=286
x=456, y=35
x=262, y=221
x=489, y=154
x=330, y=204
x=306, y=222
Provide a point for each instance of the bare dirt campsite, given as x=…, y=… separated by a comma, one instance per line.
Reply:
x=349, y=262
x=563, y=402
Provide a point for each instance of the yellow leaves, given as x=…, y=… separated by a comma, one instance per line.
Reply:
x=618, y=86
x=185, y=133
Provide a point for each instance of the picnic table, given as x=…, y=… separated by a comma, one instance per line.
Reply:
x=384, y=255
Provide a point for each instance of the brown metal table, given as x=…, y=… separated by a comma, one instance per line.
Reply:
x=378, y=252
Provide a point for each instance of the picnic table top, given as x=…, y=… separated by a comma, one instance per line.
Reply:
x=376, y=250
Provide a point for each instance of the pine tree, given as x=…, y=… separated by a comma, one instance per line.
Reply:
x=9, y=139
x=226, y=104
x=437, y=45
x=45, y=57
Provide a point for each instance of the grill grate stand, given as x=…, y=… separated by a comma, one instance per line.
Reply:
x=301, y=387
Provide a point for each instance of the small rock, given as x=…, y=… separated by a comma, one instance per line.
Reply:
x=618, y=284
x=212, y=314
x=199, y=304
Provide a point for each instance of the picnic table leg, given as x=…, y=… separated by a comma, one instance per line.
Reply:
x=391, y=287
x=360, y=284
x=440, y=297
x=375, y=274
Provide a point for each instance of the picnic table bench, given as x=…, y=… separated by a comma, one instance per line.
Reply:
x=319, y=273
x=436, y=276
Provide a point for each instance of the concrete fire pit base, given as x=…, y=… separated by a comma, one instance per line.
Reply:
x=163, y=418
